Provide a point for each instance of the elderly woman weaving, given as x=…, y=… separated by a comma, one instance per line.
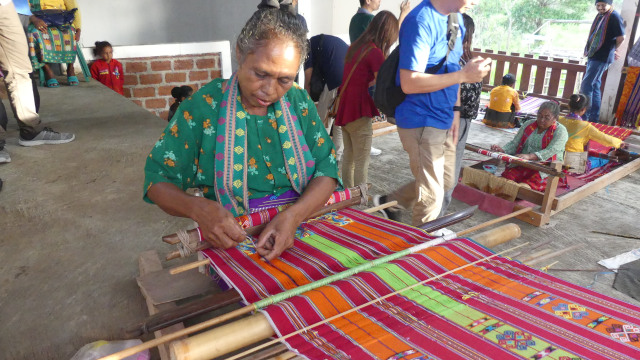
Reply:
x=253, y=138
x=537, y=140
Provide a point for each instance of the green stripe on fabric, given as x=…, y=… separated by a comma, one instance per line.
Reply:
x=453, y=310
x=348, y=258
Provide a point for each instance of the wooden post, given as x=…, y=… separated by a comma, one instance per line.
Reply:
x=550, y=193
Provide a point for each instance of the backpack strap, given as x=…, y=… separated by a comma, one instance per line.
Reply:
x=452, y=36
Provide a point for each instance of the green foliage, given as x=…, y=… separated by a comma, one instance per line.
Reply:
x=508, y=25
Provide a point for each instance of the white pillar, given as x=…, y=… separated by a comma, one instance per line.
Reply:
x=614, y=76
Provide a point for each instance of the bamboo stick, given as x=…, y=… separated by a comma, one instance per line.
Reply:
x=301, y=289
x=381, y=207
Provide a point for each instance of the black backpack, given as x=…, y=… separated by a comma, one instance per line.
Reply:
x=388, y=96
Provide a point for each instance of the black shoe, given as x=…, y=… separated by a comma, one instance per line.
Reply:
x=386, y=213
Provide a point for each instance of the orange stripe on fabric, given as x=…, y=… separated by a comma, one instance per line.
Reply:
x=332, y=303
x=273, y=269
x=392, y=242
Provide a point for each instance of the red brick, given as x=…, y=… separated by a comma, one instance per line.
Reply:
x=155, y=103
x=135, y=67
x=165, y=90
x=131, y=80
x=216, y=74
x=175, y=77
x=198, y=75
x=163, y=114
x=127, y=92
x=217, y=61
x=150, y=79
x=185, y=64
x=144, y=92
x=206, y=63
x=160, y=65
x=137, y=102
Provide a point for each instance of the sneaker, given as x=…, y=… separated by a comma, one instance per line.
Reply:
x=4, y=156
x=375, y=152
x=47, y=136
x=386, y=213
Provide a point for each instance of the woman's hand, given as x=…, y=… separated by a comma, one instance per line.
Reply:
x=497, y=148
x=217, y=225
x=530, y=157
x=77, y=37
x=278, y=235
x=38, y=23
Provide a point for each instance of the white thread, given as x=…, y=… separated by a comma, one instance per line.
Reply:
x=184, y=247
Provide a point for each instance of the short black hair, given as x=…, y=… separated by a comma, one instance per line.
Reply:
x=101, y=45
x=509, y=80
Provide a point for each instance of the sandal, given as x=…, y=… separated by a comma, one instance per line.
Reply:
x=73, y=80
x=52, y=83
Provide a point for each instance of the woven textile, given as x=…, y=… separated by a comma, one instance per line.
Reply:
x=629, y=106
x=615, y=131
x=530, y=105
x=497, y=309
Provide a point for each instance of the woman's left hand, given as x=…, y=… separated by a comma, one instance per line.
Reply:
x=530, y=157
x=77, y=37
x=277, y=236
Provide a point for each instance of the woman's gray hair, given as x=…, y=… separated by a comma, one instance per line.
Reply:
x=268, y=24
x=552, y=106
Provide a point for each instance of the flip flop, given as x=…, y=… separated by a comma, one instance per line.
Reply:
x=73, y=80
x=52, y=83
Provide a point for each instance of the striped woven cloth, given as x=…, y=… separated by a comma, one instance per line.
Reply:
x=530, y=105
x=496, y=309
x=615, y=131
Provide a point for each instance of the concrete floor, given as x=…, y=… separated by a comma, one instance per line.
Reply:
x=72, y=223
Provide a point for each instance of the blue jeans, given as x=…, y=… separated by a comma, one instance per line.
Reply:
x=591, y=83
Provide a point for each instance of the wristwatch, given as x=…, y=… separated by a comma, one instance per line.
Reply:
x=457, y=108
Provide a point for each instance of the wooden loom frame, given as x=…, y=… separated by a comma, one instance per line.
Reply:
x=550, y=204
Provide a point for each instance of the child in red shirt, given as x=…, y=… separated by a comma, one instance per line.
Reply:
x=107, y=70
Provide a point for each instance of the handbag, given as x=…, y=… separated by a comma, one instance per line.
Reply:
x=56, y=18
x=333, y=109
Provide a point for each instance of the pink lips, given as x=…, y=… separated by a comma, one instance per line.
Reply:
x=262, y=102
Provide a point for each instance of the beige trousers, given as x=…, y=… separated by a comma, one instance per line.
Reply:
x=15, y=62
x=357, y=136
x=432, y=157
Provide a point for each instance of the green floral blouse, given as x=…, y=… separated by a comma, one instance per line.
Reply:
x=185, y=153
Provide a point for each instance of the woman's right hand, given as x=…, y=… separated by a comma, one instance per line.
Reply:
x=217, y=224
x=497, y=148
x=38, y=23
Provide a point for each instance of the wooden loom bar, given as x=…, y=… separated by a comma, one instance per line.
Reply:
x=514, y=160
x=204, y=346
x=300, y=289
x=173, y=239
x=197, y=264
x=257, y=229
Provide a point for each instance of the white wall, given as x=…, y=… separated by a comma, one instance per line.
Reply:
x=150, y=22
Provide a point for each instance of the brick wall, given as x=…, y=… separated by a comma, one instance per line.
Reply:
x=148, y=81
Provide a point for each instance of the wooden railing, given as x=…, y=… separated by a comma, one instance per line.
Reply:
x=554, y=79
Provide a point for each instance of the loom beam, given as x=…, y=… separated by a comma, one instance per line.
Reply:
x=514, y=160
x=250, y=330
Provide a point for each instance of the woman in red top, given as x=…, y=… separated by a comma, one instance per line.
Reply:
x=107, y=70
x=356, y=108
